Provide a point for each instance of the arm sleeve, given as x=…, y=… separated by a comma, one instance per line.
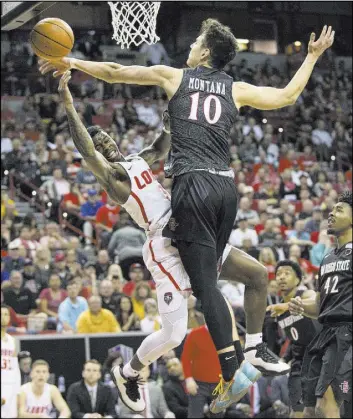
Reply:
x=72, y=401
x=186, y=356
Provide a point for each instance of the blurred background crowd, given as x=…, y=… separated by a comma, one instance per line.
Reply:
x=71, y=259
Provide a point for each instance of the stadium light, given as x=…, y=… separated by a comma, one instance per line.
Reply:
x=49, y=204
x=242, y=41
x=333, y=158
x=34, y=193
x=264, y=121
x=65, y=214
x=6, y=172
x=280, y=129
x=297, y=43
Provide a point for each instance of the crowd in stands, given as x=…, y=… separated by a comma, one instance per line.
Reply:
x=289, y=166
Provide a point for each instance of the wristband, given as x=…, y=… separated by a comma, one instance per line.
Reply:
x=166, y=131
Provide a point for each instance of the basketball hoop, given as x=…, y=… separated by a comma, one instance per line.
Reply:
x=134, y=22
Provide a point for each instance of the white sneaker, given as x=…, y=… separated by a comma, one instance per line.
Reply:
x=129, y=389
x=266, y=362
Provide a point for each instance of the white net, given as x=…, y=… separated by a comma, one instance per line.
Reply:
x=134, y=22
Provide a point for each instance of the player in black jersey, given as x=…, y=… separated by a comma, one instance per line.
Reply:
x=203, y=105
x=300, y=330
x=327, y=366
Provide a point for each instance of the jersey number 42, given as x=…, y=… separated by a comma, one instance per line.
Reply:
x=331, y=285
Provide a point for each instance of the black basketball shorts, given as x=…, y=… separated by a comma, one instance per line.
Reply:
x=204, y=207
x=328, y=362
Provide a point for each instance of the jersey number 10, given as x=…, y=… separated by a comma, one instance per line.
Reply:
x=195, y=98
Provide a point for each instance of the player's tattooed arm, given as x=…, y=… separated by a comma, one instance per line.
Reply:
x=80, y=136
x=160, y=146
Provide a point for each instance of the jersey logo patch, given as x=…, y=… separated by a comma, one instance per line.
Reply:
x=344, y=387
x=172, y=224
x=168, y=298
x=347, y=252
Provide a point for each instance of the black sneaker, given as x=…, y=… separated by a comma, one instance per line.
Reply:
x=262, y=359
x=129, y=389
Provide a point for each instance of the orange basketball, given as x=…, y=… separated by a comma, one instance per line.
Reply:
x=52, y=38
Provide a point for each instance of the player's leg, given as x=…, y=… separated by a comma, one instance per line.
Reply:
x=326, y=406
x=240, y=267
x=172, y=306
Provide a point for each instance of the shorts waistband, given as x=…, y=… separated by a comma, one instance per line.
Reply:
x=225, y=173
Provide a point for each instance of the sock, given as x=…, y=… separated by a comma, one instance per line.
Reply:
x=239, y=351
x=252, y=340
x=128, y=371
x=229, y=364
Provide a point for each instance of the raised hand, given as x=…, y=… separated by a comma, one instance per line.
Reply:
x=58, y=66
x=64, y=90
x=326, y=39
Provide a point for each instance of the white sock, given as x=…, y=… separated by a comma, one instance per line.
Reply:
x=251, y=340
x=128, y=371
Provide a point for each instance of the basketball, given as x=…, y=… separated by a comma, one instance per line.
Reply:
x=52, y=38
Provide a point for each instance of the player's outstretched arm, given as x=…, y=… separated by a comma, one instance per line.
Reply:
x=157, y=75
x=80, y=136
x=267, y=98
x=309, y=307
x=160, y=146
x=278, y=309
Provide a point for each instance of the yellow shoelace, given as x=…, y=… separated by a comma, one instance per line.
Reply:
x=222, y=387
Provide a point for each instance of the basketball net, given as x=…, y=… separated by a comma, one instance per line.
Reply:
x=134, y=22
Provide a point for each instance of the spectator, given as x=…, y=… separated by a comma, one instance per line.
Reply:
x=89, y=397
x=109, y=301
x=148, y=114
x=30, y=280
x=106, y=217
x=269, y=235
x=74, y=243
x=136, y=275
x=322, y=140
x=85, y=178
x=16, y=324
x=299, y=235
x=156, y=406
x=243, y=232
x=19, y=298
x=71, y=262
x=51, y=298
x=54, y=190
x=307, y=210
x=42, y=264
x=8, y=207
x=97, y=319
x=13, y=262
x=25, y=364
x=267, y=258
x=246, y=212
x=102, y=264
x=126, y=243
x=126, y=317
x=195, y=317
x=201, y=370
x=70, y=309
x=152, y=320
x=252, y=127
x=61, y=269
x=155, y=54
x=321, y=186
x=313, y=225
x=174, y=390
x=88, y=213
x=321, y=249
x=129, y=113
x=140, y=294
x=83, y=290
x=53, y=239
x=115, y=275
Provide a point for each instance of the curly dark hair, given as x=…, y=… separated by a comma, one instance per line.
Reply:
x=220, y=41
x=295, y=266
x=346, y=197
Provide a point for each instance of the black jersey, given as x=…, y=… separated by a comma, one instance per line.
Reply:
x=202, y=113
x=335, y=286
x=300, y=330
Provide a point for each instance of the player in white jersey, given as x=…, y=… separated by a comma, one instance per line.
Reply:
x=130, y=182
x=38, y=398
x=10, y=371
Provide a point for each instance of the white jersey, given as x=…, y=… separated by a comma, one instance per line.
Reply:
x=9, y=362
x=42, y=404
x=10, y=377
x=149, y=203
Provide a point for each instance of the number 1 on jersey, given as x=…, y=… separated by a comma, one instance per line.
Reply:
x=206, y=108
